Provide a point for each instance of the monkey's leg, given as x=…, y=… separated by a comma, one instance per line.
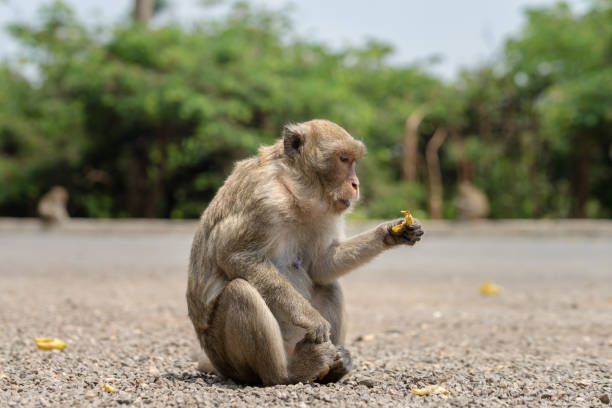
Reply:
x=328, y=300
x=244, y=340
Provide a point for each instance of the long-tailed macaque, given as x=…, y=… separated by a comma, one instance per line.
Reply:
x=263, y=293
x=52, y=206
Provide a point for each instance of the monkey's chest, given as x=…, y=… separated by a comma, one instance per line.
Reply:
x=295, y=272
x=292, y=262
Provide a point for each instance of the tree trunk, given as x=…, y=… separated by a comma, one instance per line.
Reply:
x=137, y=180
x=143, y=11
x=156, y=207
x=411, y=144
x=580, y=180
x=434, y=173
x=464, y=166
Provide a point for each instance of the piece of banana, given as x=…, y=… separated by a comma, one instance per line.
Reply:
x=323, y=373
x=407, y=221
x=490, y=289
x=108, y=388
x=48, y=343
x=430, y=390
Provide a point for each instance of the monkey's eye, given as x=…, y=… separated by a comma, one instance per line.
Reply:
x=344, y=158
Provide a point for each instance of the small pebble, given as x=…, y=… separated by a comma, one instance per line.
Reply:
x=367, y=382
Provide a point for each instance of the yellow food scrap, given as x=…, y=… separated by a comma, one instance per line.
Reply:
x=489, y=288
x=108, y=388
x=47, y=343
x=323, y=373
x=430, y=390
x=498, y=367
x=407, y=221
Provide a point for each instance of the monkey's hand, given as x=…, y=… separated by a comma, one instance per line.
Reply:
x=407, y=235
x=317, y=328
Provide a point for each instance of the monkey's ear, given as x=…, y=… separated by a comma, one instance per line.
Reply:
x=293, y=140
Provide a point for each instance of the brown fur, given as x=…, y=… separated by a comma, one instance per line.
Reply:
x=262, y=292
x=52, y=206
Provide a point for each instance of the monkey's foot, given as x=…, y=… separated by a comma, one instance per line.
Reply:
x=339, y=368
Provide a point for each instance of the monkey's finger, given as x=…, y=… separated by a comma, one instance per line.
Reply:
x=410, y=239
x=414, y=225
x=317, y=336
x=325, y=334
x=412, y=233
x=395, y=223
x=311, y=336
x=414, y=230
x=321, y=337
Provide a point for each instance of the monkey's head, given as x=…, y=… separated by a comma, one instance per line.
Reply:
x=323, y=155
x=58, y=194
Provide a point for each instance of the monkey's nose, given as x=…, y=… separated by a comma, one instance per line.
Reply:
x=355, y=184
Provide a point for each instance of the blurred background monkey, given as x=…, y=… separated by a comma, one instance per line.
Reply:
x=262, y=292
x=52, y=206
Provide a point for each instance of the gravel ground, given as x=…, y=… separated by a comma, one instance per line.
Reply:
x=416, y=318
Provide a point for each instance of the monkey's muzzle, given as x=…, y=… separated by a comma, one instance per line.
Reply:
x=345, y=202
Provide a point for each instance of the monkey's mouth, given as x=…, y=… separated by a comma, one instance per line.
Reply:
x=346, y=203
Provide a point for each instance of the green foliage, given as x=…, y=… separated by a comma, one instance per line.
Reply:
x=147, y=122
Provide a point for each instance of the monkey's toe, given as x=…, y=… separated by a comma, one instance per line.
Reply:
x=339, y=368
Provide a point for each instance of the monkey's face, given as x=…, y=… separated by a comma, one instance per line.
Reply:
x=347, y=191
x=326, y=155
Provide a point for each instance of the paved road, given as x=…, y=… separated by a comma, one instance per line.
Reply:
x=416, y=318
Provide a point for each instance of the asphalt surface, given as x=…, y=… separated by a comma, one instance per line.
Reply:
x=416, y=318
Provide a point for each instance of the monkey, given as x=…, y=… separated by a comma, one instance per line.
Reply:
x=471, y=202
x=52, y=206
x=263, y=292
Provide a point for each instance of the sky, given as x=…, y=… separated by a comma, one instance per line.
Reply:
x=463, y=33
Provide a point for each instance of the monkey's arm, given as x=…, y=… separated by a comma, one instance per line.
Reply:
x=342, y=257
x=238, y=259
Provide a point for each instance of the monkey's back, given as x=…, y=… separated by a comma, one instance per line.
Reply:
x=243, y=199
